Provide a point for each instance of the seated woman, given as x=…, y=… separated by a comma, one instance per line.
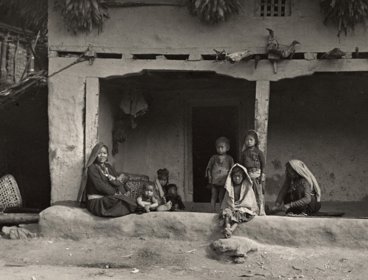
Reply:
x=300, y=194
x=103, y=191
x=239, y=204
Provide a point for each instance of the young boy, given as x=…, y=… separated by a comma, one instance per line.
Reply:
x=173, y=196
x=217, y=170
x=239, y=204
x=147, y=201
x=252, y=158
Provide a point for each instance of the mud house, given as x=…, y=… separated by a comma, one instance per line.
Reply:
x=160, y=59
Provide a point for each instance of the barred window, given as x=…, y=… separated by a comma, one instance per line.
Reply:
x=273, y=8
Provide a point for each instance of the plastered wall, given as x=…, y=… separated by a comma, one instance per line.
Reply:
x=322, y=121
x=174, y=30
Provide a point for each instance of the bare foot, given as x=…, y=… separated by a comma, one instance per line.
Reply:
x=227, y=232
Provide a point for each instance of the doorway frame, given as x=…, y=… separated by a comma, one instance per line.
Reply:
x=188, y=157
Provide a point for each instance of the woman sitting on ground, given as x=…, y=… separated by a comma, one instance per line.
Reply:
x=300, y=194
x=103, y=191
x=239, y=204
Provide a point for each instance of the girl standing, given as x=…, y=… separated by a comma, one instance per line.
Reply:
x=252, y=158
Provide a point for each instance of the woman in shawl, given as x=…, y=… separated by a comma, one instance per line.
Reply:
x=300, y=194
x=239, y=204
x=103, y=191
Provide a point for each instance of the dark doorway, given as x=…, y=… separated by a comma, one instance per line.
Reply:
x=24, y=146
x=209, y=123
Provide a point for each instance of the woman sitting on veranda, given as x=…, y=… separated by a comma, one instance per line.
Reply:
x=300, y=194
x=103, y=191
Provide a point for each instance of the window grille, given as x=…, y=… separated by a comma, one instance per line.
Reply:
x=273, y=8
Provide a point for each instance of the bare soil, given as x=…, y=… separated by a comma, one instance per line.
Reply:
x=139, y=258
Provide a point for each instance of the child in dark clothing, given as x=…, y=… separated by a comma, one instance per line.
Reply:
x=173, y=196
x=147, y=201
x=252, y=158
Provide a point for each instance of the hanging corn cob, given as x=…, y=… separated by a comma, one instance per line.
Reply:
x=345, y=13
x=82, y=15
x=213, y=11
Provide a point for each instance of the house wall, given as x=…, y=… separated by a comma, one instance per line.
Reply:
x=321, y=120
x=176, y=31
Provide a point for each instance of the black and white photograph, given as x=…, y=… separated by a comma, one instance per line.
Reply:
x=183, y=139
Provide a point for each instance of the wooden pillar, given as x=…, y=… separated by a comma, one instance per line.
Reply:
x=261, y=112
x=91, y=117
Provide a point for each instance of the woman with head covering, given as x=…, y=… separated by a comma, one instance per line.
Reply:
x=300, y=193
x=239, y=204
x=102, y=190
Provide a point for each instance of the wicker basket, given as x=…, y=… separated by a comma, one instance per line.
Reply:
x=9, y=192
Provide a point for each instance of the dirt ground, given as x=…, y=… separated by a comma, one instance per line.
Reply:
x=138, y=258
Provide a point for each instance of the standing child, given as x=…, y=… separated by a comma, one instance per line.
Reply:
x=217, y=170
x=239, y=204
x=252, y=158
x=147, y=201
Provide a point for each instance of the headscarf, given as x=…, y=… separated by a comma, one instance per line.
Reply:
x=255, y=135
x=304, y=172
x=247, y=201
x=82, y=195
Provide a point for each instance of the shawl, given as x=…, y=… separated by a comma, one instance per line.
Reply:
x=247, y=201
x=82, y=195
x=304, y=172
x=159, y=188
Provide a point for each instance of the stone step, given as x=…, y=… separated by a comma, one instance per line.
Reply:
x=77, y=223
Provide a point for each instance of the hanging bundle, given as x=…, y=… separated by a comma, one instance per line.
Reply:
x=82, y=15
x=345, y=13
x=213, y=11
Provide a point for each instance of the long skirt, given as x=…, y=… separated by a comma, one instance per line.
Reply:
x=309, y=209
x=112, y=206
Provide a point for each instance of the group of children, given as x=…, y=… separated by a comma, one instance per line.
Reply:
x=160, y=195
x=220, y=164
x=239, y=187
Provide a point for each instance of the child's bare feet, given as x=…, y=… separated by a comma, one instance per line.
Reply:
x=147, y=209
x=227, y=232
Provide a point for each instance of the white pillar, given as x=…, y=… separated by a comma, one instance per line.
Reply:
x=261, y=112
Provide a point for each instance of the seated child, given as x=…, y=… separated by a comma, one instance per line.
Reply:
x=146, y=201
x=252, y=158
x=217, y=170
x=173, y=196
x=160, y=189
x=239, y=204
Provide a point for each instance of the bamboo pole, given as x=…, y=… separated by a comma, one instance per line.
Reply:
x=18, y=218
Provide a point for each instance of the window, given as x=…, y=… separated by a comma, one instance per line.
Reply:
x=273, y=8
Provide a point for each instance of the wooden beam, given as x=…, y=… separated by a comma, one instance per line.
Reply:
x=261, y=112
x=18, y=218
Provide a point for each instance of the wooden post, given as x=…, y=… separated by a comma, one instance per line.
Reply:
x=261, y=112
x=91, y=118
